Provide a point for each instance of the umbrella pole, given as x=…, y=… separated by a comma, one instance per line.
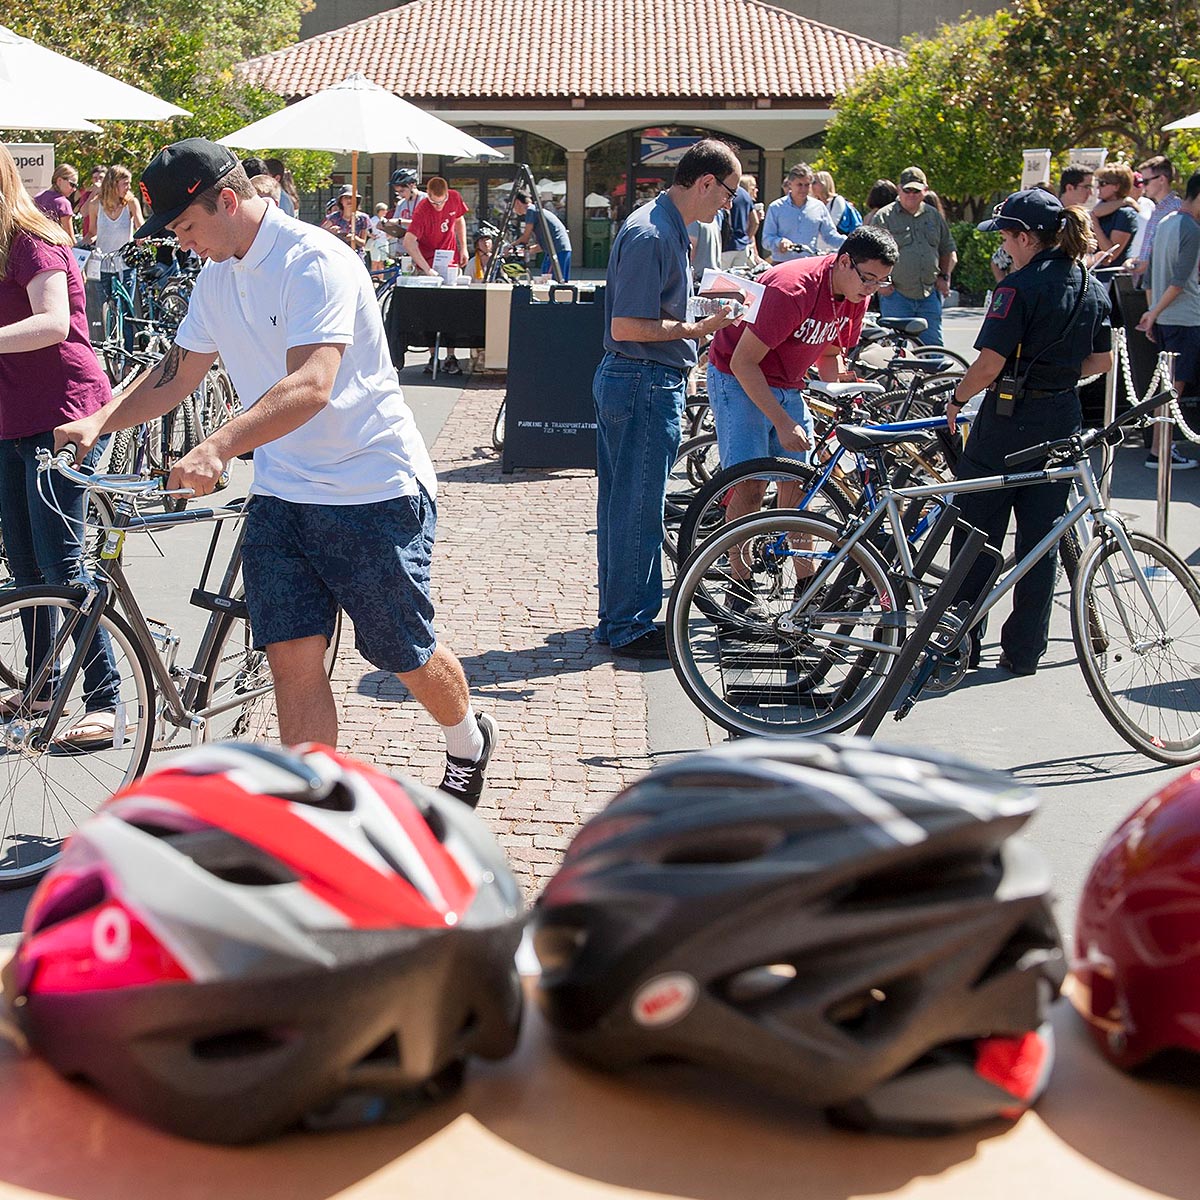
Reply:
x=354, y=173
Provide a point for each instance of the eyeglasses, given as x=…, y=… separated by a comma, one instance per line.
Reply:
x=1147, y=178
x=869, y=281
x=732, y=192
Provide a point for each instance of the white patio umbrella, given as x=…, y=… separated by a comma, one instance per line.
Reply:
x=42, y=75
x=357, y=116
x=22, y=109
x=1191, y=121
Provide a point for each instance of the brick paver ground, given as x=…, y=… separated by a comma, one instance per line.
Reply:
x=514, y=585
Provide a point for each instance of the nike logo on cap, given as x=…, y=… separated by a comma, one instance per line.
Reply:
x=194, y=186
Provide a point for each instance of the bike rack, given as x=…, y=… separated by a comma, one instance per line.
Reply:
x=920, y=642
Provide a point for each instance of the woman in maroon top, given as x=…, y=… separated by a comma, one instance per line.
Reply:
x=49, y=374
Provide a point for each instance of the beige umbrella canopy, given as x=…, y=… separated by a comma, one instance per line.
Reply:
x=357, y=116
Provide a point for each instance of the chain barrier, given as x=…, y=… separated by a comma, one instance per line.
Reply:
x=1160, y=379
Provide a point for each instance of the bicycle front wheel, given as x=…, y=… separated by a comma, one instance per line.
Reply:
x=1136, y=626
x=48, y=784
x=751, y=665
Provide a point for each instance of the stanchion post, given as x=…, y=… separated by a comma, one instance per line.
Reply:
x=1166, y=449
x=1110, y=403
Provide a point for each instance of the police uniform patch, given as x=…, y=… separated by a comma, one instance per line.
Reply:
x=1002, y=299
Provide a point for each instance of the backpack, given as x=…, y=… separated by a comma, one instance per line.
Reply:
x=850, y=219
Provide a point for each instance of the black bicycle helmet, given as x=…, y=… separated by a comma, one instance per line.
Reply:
x=404, y=177
x=850, y=926
x=248, y=938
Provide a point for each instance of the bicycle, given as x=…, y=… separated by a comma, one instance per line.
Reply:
x=50, y=636
x=836, y=612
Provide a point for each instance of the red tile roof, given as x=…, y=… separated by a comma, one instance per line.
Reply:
x=598, y=49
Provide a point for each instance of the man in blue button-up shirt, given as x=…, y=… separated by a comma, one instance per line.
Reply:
x=795, y=221
x=651, y=346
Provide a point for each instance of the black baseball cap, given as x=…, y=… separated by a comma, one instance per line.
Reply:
x=1034, y=210
x=176, y=175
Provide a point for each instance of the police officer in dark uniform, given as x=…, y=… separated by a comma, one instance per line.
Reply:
x=1046, y=327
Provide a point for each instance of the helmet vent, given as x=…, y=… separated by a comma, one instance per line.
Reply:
x=1031, y=943
x=435, y=821
x=758, y=983
x=240, y=1043
x=729, y=846
x=86, y=893
x=386, y=1054
x=914, y=883
x=872, y=1010
x=231, y=859
x=336, y=798
x=387, y=856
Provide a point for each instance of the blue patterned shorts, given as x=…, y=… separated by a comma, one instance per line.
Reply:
x=301, y=562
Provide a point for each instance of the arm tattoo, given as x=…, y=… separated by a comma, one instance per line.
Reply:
x=171, y=365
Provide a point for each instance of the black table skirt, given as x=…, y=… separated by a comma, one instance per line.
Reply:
x=415, y=316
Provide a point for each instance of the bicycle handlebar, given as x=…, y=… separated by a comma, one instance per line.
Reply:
x=132, y=485
x=1110, y=435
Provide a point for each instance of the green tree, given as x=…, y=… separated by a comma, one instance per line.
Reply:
x=926, y=110
x=181, y=51
x=1060, y=73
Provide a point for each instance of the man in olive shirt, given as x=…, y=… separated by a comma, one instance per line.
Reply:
x=927, y=256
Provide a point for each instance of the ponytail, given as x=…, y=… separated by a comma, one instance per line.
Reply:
x=1074, y=236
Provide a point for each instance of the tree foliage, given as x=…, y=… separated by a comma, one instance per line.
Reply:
x=180, y=50
x=1059, y=73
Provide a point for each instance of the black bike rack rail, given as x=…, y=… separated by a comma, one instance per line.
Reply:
x=920, y=641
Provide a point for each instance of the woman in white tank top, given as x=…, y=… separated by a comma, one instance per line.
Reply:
x=116, y=215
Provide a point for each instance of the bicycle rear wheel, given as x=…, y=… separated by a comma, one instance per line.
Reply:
x=238, y=696
x=47, y=786
x=1144, y=675
x=706, y=513
x=729, y=637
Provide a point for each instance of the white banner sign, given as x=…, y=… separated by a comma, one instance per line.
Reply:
x=1091, y=157
x=1035, y=168
x=35, y=164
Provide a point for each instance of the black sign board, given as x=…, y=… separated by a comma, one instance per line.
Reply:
x=554, y=347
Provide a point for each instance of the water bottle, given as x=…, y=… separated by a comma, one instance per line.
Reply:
x=700, y=307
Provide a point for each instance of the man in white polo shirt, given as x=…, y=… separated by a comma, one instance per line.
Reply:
x=342, y=510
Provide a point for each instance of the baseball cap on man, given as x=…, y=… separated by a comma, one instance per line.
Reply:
x=913, y=178
x=1034, y=209
x=176, y=175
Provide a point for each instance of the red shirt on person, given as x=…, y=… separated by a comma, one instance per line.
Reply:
x=434, y=227
x=40, y=389
x=798, y=318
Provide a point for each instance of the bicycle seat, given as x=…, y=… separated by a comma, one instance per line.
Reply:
x=835, y=391
x=870, y=334
x=924, y=366
x=904, y=324
x=871, y=437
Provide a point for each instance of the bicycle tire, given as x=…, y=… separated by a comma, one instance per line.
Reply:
x=498, y=426
x=939, y=352
x=1144, y=682
x=180, y=435
x=695, y=464
x=705, y=514
x=750, y=676
x=235, y=668
x=45, y=793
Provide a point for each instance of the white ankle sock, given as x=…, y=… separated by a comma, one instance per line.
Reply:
x=464, y=740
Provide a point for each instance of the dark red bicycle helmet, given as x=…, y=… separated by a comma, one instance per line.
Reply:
x=1136, y=969
x=252, y=937
x=850, y=926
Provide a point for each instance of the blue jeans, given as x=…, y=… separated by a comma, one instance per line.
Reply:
x=639, y=417
x=564, y=262
x=930, y=308
x=42, y=548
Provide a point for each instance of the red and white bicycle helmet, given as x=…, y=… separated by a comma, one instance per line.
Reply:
x=251, y=937
x=1136, y=968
